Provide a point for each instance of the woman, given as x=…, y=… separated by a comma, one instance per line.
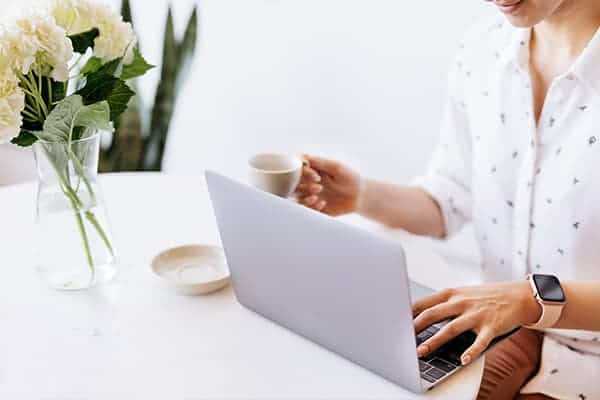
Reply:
x=519, y=158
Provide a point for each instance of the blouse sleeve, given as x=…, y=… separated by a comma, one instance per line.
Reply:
x=448, y=179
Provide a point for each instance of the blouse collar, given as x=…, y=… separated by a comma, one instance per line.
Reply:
x=586, y=67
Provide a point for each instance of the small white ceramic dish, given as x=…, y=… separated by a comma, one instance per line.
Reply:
x=193, y=269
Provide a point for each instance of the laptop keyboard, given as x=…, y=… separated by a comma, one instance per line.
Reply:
x=446, y=359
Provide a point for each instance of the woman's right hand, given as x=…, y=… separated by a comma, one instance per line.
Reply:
x=329, y=187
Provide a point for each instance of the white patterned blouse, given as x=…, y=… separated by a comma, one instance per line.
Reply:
x=532, y=191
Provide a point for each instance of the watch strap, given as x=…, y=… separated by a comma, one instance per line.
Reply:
x=550, y=316
x=551, y=312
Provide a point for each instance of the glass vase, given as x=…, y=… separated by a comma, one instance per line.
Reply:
x=73, y=241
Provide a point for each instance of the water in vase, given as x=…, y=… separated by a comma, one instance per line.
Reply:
x=64, y=259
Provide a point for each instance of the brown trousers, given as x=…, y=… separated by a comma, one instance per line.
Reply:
x=509, y=365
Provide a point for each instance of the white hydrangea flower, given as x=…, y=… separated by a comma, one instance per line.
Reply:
x=6, y=60
x=12, y=98
x=54, y=49
x=9, y=83
x=10, y=115
x=17, y=51
x=67, y=16
x=116, y=38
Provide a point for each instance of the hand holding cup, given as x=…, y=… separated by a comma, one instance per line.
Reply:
x=328, y=186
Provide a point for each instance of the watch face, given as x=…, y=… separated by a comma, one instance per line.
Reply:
x=549, y=287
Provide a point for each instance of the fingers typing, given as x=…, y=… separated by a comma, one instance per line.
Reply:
x=437, y=313
x=447, y=333
x=430, y=301
x=484, y=338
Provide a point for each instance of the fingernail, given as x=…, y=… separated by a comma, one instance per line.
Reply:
x=421, y=351
x=466, y=359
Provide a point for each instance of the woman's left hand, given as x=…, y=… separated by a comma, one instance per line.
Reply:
x=489, y=311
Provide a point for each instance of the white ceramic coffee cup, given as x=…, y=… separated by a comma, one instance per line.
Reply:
x=275, y=173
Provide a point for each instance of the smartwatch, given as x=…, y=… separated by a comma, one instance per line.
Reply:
x=550, y=295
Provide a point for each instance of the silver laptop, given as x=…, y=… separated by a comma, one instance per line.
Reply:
x=339, y=286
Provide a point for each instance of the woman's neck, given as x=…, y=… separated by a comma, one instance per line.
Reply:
x=567, y=32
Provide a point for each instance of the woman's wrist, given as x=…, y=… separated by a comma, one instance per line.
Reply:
x=530, y=309
x=363, y=198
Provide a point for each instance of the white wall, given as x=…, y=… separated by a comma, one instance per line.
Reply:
x=361, y=80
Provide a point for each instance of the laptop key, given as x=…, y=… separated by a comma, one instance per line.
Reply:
x=465, y=339
x=449, y=356
x=423, y=366
x=432, y=329
x=443, y=365
x=423, y=336
x=435, y=373
x=459, y=344
x=428, y=378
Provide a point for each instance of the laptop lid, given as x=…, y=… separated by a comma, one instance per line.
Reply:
x=341, y=287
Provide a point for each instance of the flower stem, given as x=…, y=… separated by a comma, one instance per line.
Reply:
x=30, y=115
x=88, y=214
x=85, y=239
x=76, y=205
x=49, y=90
x=29, y=89
x=81, y=173
x=41, y=96
x=94, y=221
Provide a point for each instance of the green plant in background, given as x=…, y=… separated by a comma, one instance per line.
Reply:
x=132, y=148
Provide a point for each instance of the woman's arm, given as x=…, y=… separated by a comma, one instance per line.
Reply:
x=495, y=309
x=582, y=310
x=335, y=189
x=408, y=208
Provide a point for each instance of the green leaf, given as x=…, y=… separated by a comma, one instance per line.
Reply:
x=169, y=56
x=176, y=61
x=97, y=87
x=78, y=132
x=92, y=65
x=126, y=12
x=164, y=101
x=138, y=67
x=187, y=48
x=119, y=98
x=126, y=147
x=111, y=67
x=31, y=126
x=94, y=116
x=25, y=139
x=101, y=86
x=71, y=112
x=84, y=40
x=58, y=90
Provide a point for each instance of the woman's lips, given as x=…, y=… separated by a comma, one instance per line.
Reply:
x=510, y=8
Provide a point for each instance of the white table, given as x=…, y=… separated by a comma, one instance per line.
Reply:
x=133, y=339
